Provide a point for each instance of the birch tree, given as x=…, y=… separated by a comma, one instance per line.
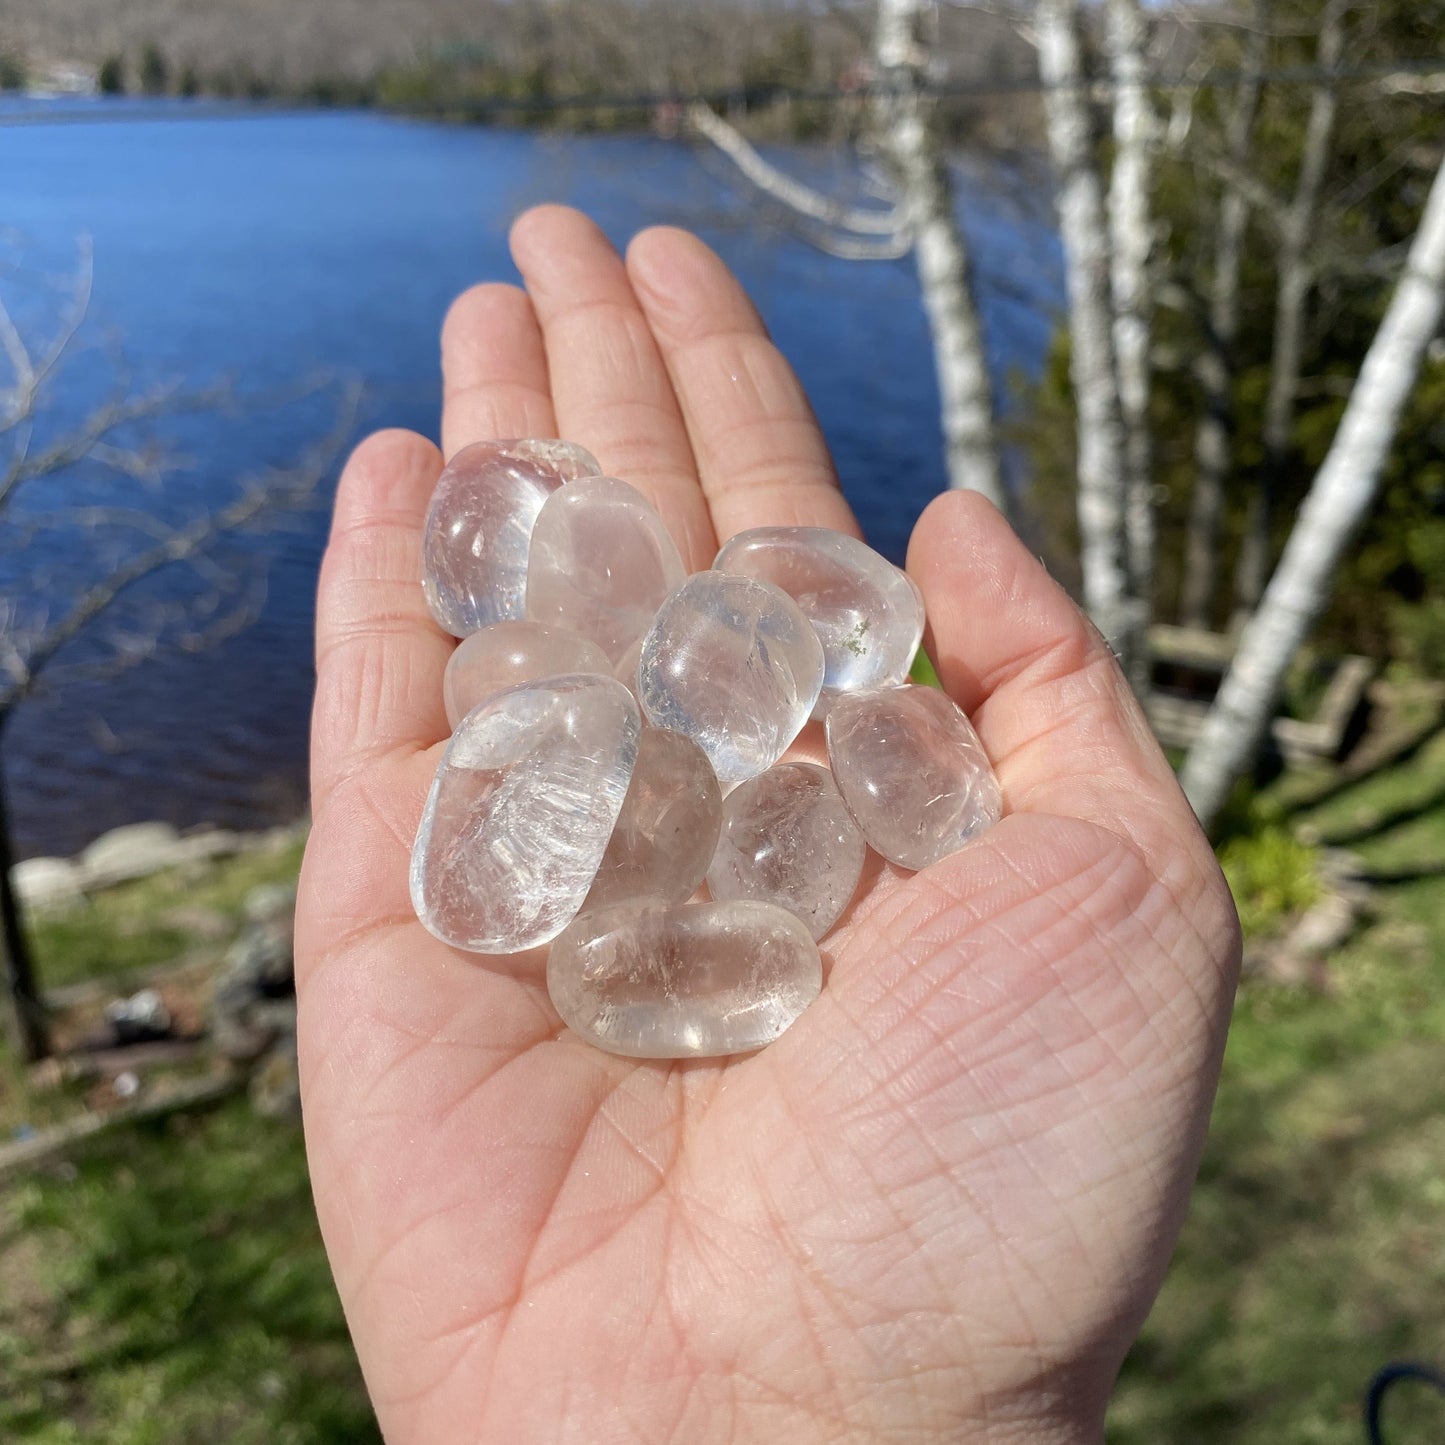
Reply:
x=1131, y=240
x=111, y=548
x=1109, y=591
x=1336, y=504
x=920, y=220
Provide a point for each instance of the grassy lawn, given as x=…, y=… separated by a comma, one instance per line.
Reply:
x=170, y=1285
x=1315, y=1247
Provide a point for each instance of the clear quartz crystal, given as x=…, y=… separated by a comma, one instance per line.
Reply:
x=912, y=771
x=668, y=826
x=524, y=802
x=512, y=652
x=733, y=664
x=699, y=980
x=601, y=563
x=867, y=613
x=479, y=527
x=788, y=838
x=626, y=670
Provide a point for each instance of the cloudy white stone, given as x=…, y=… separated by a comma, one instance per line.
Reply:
x=601, y=563
x=787, y=838
x=699, y=980
x=668, y=827
x=505, y=654
x=521, y=810
x=912, y=771
x=479, y=527
x=867, y=613
x=733, y=664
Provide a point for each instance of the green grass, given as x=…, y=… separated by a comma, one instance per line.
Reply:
x=139, y=924
x=175, y=1289
x=1315, y=1246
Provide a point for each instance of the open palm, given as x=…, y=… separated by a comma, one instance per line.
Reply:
x=939, y=1206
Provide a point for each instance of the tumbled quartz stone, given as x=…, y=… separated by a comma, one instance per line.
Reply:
x=524, y=801
x=508, y=653
x=912, y=771
x=668, y=826
x=601, y=563
x=698, y=980
x=733, y=664
x=479, y=527
x=788, y=838
x=626, y=670
x=867, y=613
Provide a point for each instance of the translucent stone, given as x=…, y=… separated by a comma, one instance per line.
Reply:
x=668, y=827
x=525, y=799
x=733, y=664
x=788, y=838
x=867, y=613
x=695, y=981
x=626, y=670
x=479, y=527
x=601, y=563
x=508, y=653
x=912, y=771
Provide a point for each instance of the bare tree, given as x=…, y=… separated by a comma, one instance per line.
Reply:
x=1109, y=591
x=920, y=219
x=1295, y=279
x=1214, y=436
x=111, y=547
x=1337, y=502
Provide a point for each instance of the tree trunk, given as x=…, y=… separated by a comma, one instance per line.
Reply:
x=1336, y=504
x=940, y=252
x=1214, y=437
x=29, y=1026
x=1108, y=593
x=1296, y=230
x=1131, y=236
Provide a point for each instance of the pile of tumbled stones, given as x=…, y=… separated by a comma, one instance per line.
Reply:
x=618, y=730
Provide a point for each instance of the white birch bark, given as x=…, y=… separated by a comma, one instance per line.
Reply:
x=940, y=253
x=1337, y=502
x=1083, y=224
x=1214, y=436
x=1296, y=229
x=1131, y=237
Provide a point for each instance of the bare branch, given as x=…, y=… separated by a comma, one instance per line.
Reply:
x=787, y=190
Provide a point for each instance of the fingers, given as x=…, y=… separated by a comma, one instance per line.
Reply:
x=760, y=453
x=610, y=388
x=494, y=370
x=379, y=655
x=1061, y=724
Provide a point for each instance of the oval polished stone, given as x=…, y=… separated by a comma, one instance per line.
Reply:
x=787, y=838
x=508, y=653
x=733, y=664
x=525, y=798
x=626, y=670
x=867, y=613
x=912, y=771
x=668, y=826
x=696, y=981
x=601, y=563
x=479, y=527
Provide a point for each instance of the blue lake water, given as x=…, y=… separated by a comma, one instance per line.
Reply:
x=270, y=248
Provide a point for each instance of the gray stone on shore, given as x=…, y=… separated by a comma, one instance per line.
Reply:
x=44, y=883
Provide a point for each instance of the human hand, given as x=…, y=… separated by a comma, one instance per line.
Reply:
x=940, y=1205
